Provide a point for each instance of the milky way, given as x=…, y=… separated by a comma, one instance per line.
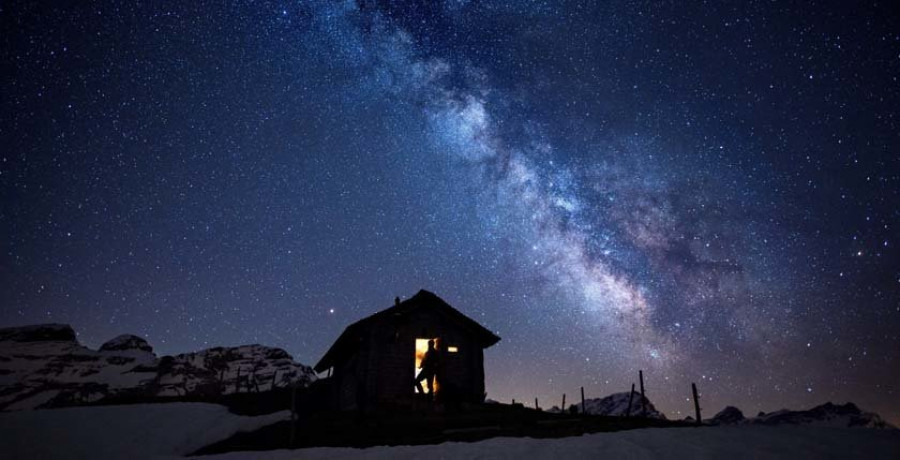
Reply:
x=708, y=194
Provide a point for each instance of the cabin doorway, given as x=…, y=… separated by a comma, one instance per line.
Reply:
x=421, y=349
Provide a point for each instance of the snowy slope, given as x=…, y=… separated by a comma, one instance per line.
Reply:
x=40, y=364
x=136, y=431
x=230, y=369
x=45, y=366
x=144, y=431
x=733, y=443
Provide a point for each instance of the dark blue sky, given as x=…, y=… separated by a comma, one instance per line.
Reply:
x=708, y=192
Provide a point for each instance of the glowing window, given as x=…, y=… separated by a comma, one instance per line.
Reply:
x=452, y=349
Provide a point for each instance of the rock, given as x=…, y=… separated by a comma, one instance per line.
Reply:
x=127, y=342
x=728, y=416
x=225, y=370
x=845, y=416
x=49, y=368
x=45, y=366
x=617, y=405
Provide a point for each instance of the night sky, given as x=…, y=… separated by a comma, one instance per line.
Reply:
x=709, y=192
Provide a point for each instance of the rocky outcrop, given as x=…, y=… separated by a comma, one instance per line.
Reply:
x=616, y=405
x=846, y=416
x=225, y=370
x=728, y=416
x=45, y=366
x=127, y=342
x=829, y=415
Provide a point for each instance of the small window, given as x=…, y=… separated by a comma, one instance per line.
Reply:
x=452, y=349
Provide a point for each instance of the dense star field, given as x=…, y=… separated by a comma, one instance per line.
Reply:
x=707, y=192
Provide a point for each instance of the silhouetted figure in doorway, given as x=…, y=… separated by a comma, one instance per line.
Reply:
x=429, y=370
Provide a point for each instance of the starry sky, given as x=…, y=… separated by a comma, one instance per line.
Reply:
x=706, y=191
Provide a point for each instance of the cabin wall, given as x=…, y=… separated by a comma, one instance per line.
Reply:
x=350, y=379
x=392, y=361
x=478, y=376
x=391, y=369
x=381, y=372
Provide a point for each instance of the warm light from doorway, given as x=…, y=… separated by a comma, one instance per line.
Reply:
x=421, y=349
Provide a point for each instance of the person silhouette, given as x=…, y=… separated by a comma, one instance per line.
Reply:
x=429, y=369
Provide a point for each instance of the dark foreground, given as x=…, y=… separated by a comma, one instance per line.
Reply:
x=176, y=429
x=427, y=425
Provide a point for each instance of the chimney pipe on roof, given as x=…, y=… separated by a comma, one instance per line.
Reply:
x=396, y=301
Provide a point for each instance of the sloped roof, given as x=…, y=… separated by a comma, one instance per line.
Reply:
x=349, y=339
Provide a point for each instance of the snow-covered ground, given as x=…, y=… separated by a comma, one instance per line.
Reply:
x=137, y=431
x=732, y=443
x=173, y=430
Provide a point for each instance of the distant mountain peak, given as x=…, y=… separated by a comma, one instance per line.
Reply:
x=847, y=415
x=828, y=414
x=728, y=416
x=616, y=405
x=126, y=342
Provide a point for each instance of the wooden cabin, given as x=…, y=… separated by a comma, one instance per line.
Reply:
x=374, y=363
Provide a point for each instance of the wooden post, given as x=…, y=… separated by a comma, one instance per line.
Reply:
x=630, y=397
x=535, y=405
x=582, y=401
x=563, y=408
x=293, y=415
x=514, y=402
x=696, y=403
x=643, y=398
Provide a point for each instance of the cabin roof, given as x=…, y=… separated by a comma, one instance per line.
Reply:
x=349, y=340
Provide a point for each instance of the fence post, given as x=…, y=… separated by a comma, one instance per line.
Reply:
x=582, y=401
x=643, y=398
x=294, y=415
x=630, y=397
x=696, y=402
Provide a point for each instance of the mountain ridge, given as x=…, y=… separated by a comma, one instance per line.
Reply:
x=847, y=415
x=44, y=366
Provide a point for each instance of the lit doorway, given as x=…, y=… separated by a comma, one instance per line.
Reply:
x=421, y=349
